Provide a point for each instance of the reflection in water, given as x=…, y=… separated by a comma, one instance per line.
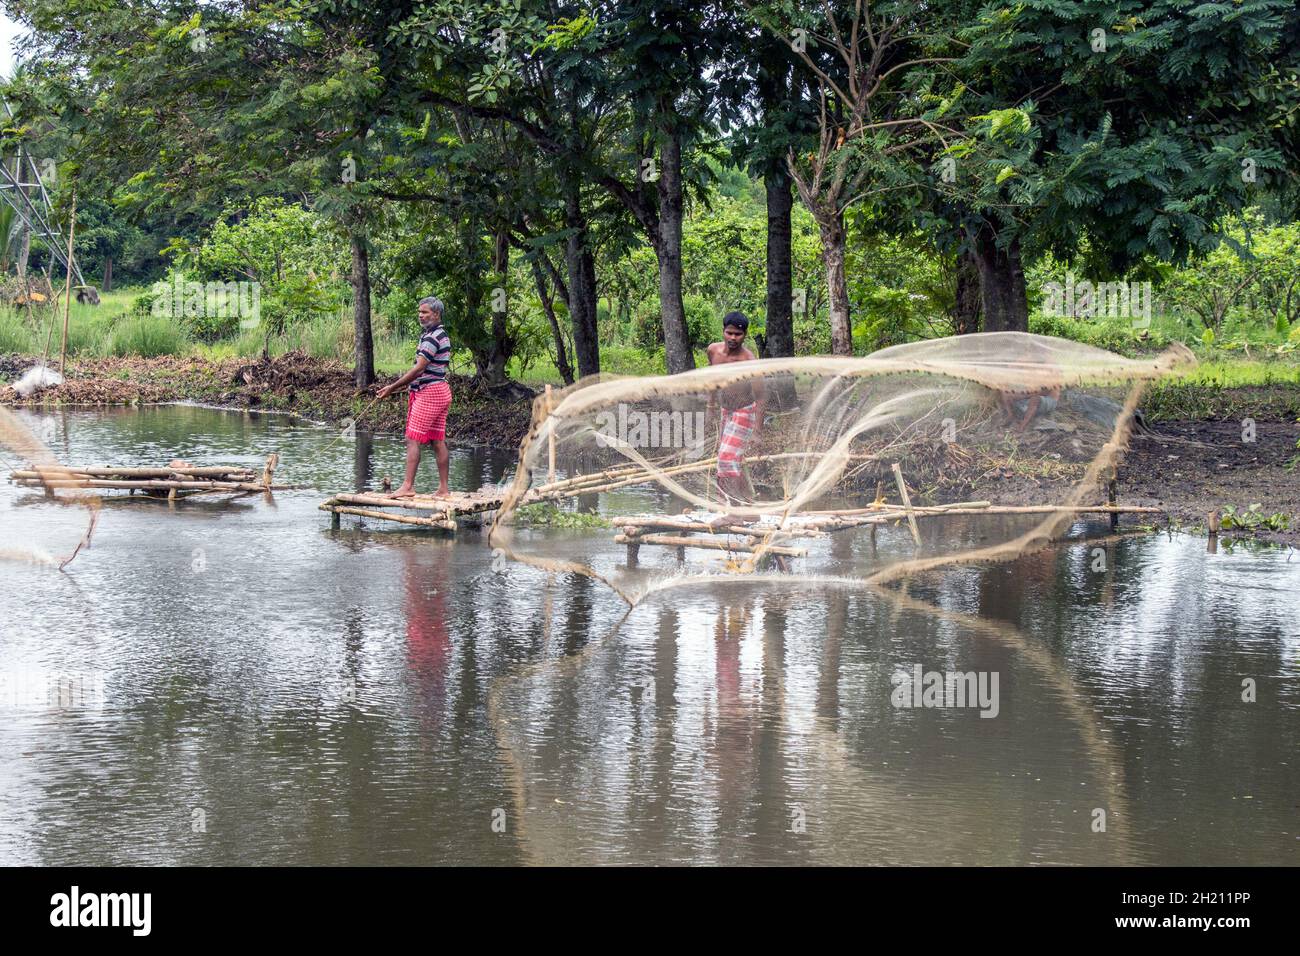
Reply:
x=375, y=695
x=428, y=645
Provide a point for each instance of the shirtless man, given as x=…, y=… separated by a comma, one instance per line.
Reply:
x=742, y=407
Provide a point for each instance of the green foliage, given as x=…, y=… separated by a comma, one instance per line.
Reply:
x=15, y=336
x=1114, y=336
x=546, y=515
x=1253, y=519
x=1252, y=276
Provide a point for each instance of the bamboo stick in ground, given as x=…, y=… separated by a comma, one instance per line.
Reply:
x=907, y=503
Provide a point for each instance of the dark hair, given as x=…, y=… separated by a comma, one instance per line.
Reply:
x=737, y=319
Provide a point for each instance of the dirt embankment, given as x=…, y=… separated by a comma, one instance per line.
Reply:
x=295, y=382
x=1188, y=468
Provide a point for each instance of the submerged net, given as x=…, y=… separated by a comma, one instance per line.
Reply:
x=977, y=447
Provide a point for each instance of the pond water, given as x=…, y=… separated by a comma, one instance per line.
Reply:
x=238, y=684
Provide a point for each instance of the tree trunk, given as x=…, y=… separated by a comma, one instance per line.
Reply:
x=108, y=273
x=364, y=372
x=668, y=250
x=471, y=270
x=831, y=226
x=967, y=311
x=780, y=322
x=1002, y=284
x=502, y=346
x=581, y=266
x=561, y=357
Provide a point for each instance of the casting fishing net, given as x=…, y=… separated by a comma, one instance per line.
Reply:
x=22, y=447
x=977, y=447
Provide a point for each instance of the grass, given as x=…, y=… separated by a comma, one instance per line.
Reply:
x=147, y=336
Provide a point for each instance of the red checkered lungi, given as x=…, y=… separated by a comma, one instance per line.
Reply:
x=737, y=428
x=426, y=413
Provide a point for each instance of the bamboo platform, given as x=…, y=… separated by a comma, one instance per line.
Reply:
x=424, y=511
x=168, y=482
x=770, y=535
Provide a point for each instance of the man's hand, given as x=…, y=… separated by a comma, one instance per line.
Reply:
x=384, y=392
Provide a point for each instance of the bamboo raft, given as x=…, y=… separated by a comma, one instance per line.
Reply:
x=425, y=511
x=723, y=533
x=167, y=483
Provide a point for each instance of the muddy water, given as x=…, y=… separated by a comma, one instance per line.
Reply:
x=237, y=683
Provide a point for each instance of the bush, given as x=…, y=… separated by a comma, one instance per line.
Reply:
x=702, y=325
x=1119, y=338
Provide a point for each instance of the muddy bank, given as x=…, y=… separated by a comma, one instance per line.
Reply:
x=295, y=382
x=1189, y=468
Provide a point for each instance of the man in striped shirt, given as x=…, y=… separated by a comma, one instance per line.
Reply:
x=428, y=398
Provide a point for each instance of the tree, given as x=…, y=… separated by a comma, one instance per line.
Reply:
x=867, y=64
x=1139, y=125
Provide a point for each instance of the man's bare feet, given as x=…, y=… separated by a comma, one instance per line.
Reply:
x=442, y=493
x=405, y=491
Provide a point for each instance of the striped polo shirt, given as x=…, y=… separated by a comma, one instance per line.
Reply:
x=435, y=345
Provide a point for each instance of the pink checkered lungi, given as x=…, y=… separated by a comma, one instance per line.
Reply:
x=426, y=413
x=737, y=428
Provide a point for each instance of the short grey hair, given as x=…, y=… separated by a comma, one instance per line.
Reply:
x=433, y=302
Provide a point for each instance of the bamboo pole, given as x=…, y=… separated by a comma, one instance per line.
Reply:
x=642, y=474
x=550, y=436
x=449, y=506
x=67, y=285
x=445, y=525
x=146, y=484
x=227, y=474
x=708, y=544
x=907, y=503
x=878, y=509
x=640, y=525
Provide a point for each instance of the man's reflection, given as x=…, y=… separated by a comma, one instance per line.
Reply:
x=428, y=645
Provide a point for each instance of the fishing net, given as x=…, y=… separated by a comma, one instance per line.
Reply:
x=977, y=447
x=21, y=446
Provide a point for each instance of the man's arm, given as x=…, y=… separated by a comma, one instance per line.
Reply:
x=421, y=363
